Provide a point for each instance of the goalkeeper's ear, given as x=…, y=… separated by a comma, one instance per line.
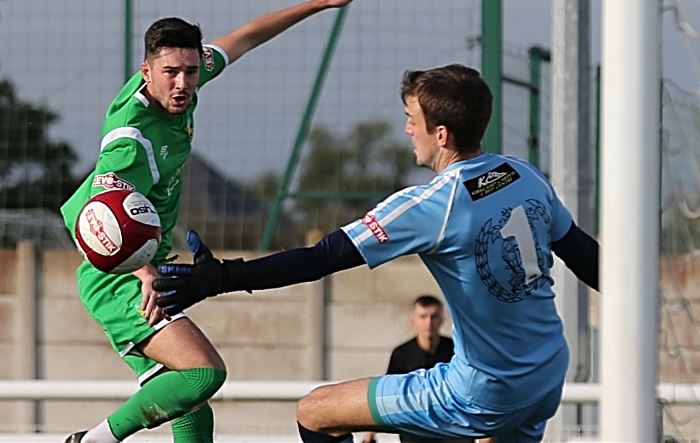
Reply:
x=198, y=249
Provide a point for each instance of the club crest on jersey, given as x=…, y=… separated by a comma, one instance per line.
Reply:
x=111, y=181
x=208, y=56
x=494, y=180
x=371, y=222
x=509, y=259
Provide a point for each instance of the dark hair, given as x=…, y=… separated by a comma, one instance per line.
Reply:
x=171, y=32
x=427, y=300
x=454, y=96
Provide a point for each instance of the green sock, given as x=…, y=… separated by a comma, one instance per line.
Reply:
x=194, y=427
x=165, y=397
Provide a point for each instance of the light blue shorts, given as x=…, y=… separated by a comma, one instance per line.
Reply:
x=423, y=402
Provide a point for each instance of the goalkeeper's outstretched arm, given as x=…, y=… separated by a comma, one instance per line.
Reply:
x=333, y=253
x=187, y=284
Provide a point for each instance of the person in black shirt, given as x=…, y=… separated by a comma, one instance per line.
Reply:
x=424, y=351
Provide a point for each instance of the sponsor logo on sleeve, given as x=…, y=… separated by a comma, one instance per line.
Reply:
x=371, y=222
x=494, y=180
x=111, y=181
x=208, y=56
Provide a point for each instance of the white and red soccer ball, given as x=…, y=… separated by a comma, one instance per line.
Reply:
x=118, y=231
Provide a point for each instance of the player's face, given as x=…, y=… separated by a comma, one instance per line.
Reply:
x=171, y=78
x=425, y=144
x=427, y=320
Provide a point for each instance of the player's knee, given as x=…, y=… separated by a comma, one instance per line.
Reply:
x=204, y=383
x=303, y=415
x=307, y=410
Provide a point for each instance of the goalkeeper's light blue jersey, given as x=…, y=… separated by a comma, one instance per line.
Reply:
x=484, y=229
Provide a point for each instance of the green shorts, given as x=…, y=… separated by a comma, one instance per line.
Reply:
x=113, y=301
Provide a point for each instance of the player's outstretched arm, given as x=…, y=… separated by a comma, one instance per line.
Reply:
x=265, y=27
x=186, y=285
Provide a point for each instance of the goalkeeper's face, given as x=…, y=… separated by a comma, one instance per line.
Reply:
x=171, y=78
x=425, y=144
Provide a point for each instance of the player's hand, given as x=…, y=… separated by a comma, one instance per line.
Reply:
x=184, y=284
x=148, y=307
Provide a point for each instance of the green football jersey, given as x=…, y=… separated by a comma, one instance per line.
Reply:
x=145, y=149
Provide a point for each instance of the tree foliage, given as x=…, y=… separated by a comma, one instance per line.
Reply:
x=34, y=171
x=354, y=172
x=340, y=178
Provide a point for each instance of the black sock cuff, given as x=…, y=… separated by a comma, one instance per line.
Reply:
x=309, y=436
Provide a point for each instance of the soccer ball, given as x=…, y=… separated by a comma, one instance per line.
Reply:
x=118, y=231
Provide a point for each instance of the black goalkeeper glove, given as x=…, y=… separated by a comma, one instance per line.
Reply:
x=185, y=285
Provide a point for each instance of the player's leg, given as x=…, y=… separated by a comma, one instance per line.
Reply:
x=168, y=394
x=328, y=414
x=114, y=301
x=195, y=426
x=181, y=346
x=196, y=373
x=429, y=403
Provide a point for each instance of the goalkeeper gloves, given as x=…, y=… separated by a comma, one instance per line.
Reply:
x=184, y=284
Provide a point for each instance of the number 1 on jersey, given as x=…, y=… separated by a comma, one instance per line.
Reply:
x=518, y=227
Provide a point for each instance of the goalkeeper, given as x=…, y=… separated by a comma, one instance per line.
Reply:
x=146, y=140
x=485, y=227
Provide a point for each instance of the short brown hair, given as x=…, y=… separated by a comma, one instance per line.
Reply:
x=454, y=96
x=171, y=32
x=427, y=300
